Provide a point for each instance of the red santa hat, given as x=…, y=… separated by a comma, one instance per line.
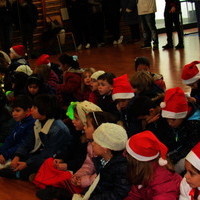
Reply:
x=190, y=73
x=194, y=156
x=18, y=50
x=43, y=60
x=175, y=105
x=122, y=88
x=145, y=146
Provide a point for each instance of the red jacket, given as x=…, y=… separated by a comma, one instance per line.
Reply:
x=164, y=186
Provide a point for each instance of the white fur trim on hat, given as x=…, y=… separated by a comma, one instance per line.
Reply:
x=122, y=96
x=111, y=136
x=173, y=115
x=193, y=159
x=139, y=157
x=191, y=80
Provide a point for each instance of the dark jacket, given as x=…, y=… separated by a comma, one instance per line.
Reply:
x=178, y=140
x=196, y=93
x=21, y=131
x=130, y=17
x=6, y=124
x=57, y=137
x=113, y=183
x=172, y=3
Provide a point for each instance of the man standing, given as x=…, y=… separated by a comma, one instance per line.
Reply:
x=146, y=11
x=171, y=15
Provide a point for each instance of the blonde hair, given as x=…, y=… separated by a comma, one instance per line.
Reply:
x=43, y=71
x=141, y=172
x=90, y=70
x=142, y=81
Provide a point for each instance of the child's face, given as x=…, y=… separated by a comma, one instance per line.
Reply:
x=98, y=150
x=87, y=79
x=104, y=87
x=33, y=89
x=174, y=123
x=194, y=85
x=192, y=176
x=89, y=129
x=19, y=113
x=78, y=124
x=94, y=85
x=122, y=103
x=142, y=67
x=35, y=113
x=12, y=55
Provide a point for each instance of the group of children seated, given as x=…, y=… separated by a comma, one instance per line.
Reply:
x=78, y=133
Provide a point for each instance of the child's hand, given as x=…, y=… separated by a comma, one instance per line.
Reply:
x=76, y=180
x=191, y=99
x=20, y=166
x=2, y=159
x=14, y=162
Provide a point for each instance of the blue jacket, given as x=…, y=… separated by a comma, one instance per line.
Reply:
x=52, y=141
x=22, y=130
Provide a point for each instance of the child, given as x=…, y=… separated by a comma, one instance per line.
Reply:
x=143, y=84
x=86, y=82
x=111, y=182
x=23, y=128
x=143, y=63
x=191, y=182
x=94, y=86
x=50, y=135
x=17, y=56
x=77, y=111
x=71, y=86
x=181, y=132
x=148, y=169
x=122, y=94
x=105, y=87
x=191, y=77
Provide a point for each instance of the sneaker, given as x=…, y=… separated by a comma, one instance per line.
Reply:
x=119, y=41
x=87, y=46
x=145, y=46
x=179, y=46
x=115, y=42
x=155, y=46
x=79, y=47
x=168, y=46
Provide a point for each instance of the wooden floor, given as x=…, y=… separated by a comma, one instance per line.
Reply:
x=119, y=59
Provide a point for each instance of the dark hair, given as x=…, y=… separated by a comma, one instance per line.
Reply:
x=141, y=61
x=141, y=105
x=3, y=99
x=48, y=105
x=35, y=79
x=22, y=101
x=66, y=59
x=108, y=77
x=99, y=117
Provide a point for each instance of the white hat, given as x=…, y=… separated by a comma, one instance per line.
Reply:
x=122, y=88
x=96, y=75
x=111, y=136
x=194, y=156
x=24, y=68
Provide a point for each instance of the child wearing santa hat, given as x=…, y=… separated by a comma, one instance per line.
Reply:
x=17, y=56
x=181, y=131
x=191, y=77
x=190, y=185
x=149, y=170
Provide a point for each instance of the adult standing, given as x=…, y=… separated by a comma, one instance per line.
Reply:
x=172, y=16
x=146, y=11
x=5, y=25
x=130, y=14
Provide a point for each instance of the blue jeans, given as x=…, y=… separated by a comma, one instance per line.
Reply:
x=149, y=28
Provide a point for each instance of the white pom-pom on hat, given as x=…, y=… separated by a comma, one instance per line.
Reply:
x=162, y=104
x=162, y=162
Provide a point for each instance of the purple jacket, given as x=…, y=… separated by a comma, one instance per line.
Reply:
x=164, y=186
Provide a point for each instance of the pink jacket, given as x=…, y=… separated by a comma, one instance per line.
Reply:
x=87, y=172
x=164, y=186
